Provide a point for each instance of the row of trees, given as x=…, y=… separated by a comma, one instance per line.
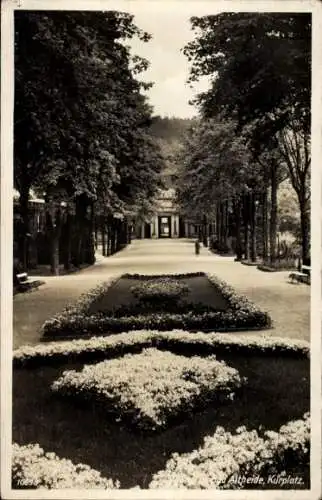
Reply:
x=81, y=129
x=254, y=126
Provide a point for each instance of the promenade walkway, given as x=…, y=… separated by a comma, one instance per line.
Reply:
x=289, y=305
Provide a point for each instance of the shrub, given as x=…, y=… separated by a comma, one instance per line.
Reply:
x=225, y=458
x=33, y=468
x=278, y=265
x=151, y=388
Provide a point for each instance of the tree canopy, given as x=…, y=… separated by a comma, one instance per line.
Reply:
x=80, y=116
x=259, y=64
x=81, y=120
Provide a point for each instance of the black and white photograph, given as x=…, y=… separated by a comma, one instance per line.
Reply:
x=161, y=249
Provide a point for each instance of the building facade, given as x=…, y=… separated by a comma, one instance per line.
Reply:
x=166, y=221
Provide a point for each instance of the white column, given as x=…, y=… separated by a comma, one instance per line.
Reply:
x=153, y=228
x=142, y=230
x=174, y=226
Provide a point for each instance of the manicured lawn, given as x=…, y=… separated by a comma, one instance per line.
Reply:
x=278, y=390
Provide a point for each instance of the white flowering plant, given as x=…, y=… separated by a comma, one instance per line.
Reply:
x=76, y=320
x=151, y=388
x=161, y=291
x=225, y=459
x=33, y=468
x=98, y=348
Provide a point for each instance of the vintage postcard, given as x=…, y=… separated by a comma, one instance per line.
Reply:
x=161, y=249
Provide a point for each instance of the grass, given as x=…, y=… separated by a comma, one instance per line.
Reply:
x=119, y=294
x=278, y=390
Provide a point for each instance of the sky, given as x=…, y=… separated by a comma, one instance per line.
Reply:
x=169, y=68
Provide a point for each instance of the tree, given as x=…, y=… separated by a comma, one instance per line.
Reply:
x=217, y=179
x=261, y=77
x=80, y=116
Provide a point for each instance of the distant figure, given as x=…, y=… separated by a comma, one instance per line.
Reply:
x=197, y=247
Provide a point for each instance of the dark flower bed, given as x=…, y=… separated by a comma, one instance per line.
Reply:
x=79, y=320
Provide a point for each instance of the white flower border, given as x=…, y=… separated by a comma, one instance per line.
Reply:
x=60, y=351
x=33, y=468
x=224, y=459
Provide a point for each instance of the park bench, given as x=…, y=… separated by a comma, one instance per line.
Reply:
x=303, y=276
x=22, y=283
x=22, y=277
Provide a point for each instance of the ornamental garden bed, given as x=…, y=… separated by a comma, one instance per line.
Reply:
x=194, y=302
x=275, y=391
x=152, y=388
x=33, y=468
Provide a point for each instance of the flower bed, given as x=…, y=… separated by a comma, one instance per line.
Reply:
x=243, y=460
x=33, y=468
x=160, y=291
x=278, y=389
x=116, y=345
x=75, y=320
x=150, y=389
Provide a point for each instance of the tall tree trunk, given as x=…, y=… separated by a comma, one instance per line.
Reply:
x=129, y=232
x=265, y=225
x=226, y=224
x=113, y=239
x=68, y=242
x=25, y=226
x=54, y=221
x=80, y=217
x=108, y=241
x=238, y=230
x=246, y=225
x=205, y=232
x=90, y=240
x=218, y=222
x=103, y=235
x=54, y=250
x=222, y=223
x=305, y=227
x=253, y=242
x=111, y=235
x=96, y=232
x=273, y=214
